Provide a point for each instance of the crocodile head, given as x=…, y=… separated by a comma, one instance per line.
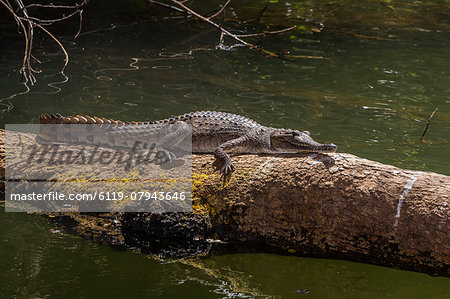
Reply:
x=293, y=141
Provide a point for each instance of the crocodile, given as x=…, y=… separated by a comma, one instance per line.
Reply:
x=213, y=132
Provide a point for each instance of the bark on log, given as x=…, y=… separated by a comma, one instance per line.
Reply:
x=338, y=206
x=334, y=206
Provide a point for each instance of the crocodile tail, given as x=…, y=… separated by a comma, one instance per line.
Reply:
x=79, y=119
x=62, y=132
x=85, y=133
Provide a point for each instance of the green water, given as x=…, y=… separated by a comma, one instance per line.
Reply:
x=39, y=264
x=371, y=97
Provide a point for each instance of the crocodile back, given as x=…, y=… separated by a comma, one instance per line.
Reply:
x=209, y=128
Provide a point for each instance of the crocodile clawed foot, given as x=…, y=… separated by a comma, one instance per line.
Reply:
x=225, y=168
x=163, y=156
x=226, y=174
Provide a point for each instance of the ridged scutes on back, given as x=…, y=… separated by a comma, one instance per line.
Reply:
x=86, y=119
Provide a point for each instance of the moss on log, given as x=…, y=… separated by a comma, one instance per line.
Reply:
x=333, y=206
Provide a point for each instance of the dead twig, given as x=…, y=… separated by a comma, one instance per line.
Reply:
x=258, y=19
x=224, y=32
x=361, y=36
x=428, y=124
x=80, y=26
x=27, y=23
x=266, y=33
x=66, y=60
x=48, y=22
x=76, y=5
x=162, y=4
x=218, y=13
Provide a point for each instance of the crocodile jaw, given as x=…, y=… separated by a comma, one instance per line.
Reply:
x=299, y=144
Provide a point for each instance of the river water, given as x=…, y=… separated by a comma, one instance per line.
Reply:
x=386, y=70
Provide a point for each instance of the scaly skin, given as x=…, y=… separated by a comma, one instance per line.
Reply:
x=214, y=132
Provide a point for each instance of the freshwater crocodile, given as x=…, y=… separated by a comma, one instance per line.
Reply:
x=213, y=132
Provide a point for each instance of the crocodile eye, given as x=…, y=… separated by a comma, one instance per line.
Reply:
x=307, y=133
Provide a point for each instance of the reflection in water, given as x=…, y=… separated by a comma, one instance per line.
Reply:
x=39, y=260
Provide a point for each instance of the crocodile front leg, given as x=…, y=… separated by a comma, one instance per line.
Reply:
x=223, y=161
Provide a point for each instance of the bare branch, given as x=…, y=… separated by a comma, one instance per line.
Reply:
x=57, y=6
x=221, y=40
x=28, y=23
x=66, y=60
x=266, y=33
x=45, y=22
x=166, y=5
x=225, y=32
x=25, y=33
x=220, y=11
x=181, y=7
x=362, y=36
x=428, y=124
x=262, y=12
x=81, y=23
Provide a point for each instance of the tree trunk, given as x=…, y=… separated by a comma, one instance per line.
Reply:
x=334, y=206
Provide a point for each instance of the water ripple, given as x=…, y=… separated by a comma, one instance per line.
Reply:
x=178, y=86
x=255, y=95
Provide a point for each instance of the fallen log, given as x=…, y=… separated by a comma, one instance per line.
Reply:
x=333, y=206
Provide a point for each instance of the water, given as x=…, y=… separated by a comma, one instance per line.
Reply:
x=41, y=262
x=372, y=97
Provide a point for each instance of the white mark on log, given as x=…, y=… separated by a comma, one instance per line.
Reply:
x=339, y=157
x=266, y=165
x=262, y=168
x=408, y=186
